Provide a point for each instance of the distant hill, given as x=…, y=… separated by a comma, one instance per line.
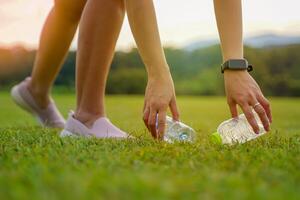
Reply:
x=271, y=40
x=259, y=41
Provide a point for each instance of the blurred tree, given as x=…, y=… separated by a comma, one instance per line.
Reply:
x=197, y=72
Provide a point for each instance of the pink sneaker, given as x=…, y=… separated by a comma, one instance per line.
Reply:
x=102, y=128
x=48, y=117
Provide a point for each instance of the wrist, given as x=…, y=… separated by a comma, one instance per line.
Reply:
x=233, y=55
x=229, y=72
x=232, y=58
x=158, y=71
x=233, y=74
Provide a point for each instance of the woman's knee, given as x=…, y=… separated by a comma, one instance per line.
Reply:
x=70, y=10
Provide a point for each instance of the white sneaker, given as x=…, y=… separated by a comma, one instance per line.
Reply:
x=102, y=128
x=48, y=117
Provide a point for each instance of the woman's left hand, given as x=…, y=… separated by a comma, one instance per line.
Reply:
x=242, y=89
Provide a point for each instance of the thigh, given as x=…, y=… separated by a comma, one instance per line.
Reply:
x=70, y=8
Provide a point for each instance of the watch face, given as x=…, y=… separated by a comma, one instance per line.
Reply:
x=237, y=64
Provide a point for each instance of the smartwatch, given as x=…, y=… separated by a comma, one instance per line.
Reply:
x=236, y=64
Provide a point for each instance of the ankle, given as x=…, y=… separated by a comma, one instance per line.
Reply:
x=88, y=118
x=41, y=96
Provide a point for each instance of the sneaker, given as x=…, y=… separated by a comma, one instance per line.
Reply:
x=102, y=128
x=48, y=117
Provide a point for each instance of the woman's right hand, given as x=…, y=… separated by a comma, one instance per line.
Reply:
x=242, y=89
x=159, y=95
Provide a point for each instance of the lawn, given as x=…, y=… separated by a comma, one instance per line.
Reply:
x=36, y=164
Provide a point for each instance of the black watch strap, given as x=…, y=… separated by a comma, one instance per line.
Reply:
x=236, y=64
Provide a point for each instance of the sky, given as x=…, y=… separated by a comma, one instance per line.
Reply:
x=180, y=21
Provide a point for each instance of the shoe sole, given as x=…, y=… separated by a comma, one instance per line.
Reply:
x=17, y=98
x=66, y=133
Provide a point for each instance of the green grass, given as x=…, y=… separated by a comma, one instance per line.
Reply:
x=36, y=164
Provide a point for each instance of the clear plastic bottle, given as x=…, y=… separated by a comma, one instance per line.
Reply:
x=237, y=130
x=178, y=131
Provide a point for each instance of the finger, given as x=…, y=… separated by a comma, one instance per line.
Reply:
x=233, y=109
x=250, y=117
x=146, y=116
x=265, y=103
x=144, y=107
x=161, y=122
x=152, y=122
x=174, y=109
x=262, y=115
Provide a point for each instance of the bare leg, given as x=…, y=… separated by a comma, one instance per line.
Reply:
x=99, y=31
x=56, y=37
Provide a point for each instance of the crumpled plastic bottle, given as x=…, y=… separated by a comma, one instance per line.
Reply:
x=237, y=130
x=178, y=131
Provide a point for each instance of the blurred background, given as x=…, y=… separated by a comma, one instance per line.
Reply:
x=189, y=35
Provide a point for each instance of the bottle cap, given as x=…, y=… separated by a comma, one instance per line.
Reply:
x=216, y=138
